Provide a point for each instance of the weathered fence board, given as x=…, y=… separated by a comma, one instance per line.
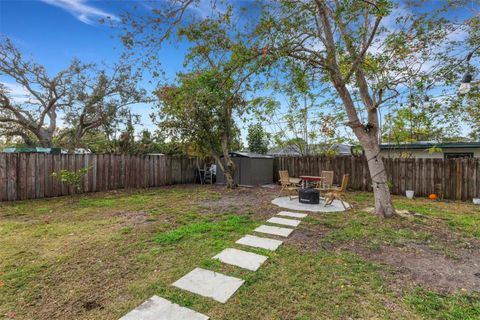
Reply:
x=29, y=175
x=457, y=179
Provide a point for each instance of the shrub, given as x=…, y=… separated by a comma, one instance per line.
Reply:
x=71, y=178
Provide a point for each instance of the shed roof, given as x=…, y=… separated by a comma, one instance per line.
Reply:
x=426, y=145
x=252, y=155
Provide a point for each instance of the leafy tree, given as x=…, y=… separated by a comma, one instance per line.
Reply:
x=257, y=139
x=367, y=59
x=126, y=141
x=146, y=144
x=472, y=115
x=199, y=112
x=87, y=97
x=311, y=119
x=99, y=98
x=37, y=112
x=367, y=62
x=419, y=122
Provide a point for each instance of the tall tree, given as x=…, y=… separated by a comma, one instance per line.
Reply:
x=85, y=96
x=258, y=139
x=199, y=112
x=98, y=97
x=366, y=61
x=420, y=121
x=221, y=64
x=312, y=123
x=37, y=111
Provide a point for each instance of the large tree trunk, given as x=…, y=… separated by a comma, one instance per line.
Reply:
x=44, y=138
x=228, y=168
x=378, y=174
x=229, y=171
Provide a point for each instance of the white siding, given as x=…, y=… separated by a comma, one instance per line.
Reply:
x=422, y=153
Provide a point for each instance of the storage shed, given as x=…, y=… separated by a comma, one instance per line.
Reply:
x=252, y=169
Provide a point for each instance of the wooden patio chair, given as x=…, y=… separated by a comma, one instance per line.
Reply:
x=339, y=194
x=326, y=184
x=290, y=185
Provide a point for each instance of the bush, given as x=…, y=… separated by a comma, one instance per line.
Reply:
x=71, y=178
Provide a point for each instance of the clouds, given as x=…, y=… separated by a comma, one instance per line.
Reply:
x=82, y=11
x=17, y=93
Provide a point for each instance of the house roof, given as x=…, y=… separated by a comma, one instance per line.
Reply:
x=287, y=150
x=292, y=150
x=426, y=145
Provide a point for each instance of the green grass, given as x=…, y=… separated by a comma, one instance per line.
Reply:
x=364, y=226
x=215, y=228
x=114, y=250
x=436, y=306
x=460, y=216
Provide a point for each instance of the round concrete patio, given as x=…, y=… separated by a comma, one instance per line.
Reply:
x=285, y=202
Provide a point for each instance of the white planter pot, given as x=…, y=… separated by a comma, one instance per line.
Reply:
x=409, y=194
x=476, y=200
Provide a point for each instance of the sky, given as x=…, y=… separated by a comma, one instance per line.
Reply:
x=53, y=32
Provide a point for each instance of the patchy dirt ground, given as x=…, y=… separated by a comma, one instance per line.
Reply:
x=417, y=264
x=243, y=200
x=452, y=265
x=97, y=258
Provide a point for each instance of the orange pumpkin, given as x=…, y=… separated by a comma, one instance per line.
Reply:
x=433, y=196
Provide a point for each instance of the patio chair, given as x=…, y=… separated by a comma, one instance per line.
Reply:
x=290, y=185
x=326, y=184
x=339, y=194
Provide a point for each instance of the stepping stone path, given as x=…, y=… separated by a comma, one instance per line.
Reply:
x=157, y=308
x=209, y=284
x=292, y=214
x=285, y=222
x=277, y=231
x=213, y=284
x=242, y=259
x=258, y=242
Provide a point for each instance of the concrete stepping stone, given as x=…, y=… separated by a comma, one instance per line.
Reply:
x=292, y=214
x=209, y=284
x=242, y=259
x=278, y=231
x=157, y=308
x=259, y=242
x=285, y=222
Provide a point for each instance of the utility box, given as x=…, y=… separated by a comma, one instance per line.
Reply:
x=251, y=169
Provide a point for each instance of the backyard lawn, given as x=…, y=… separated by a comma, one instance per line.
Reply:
x=101, y=255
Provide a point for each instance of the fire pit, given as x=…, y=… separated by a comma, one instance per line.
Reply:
x=309, y=196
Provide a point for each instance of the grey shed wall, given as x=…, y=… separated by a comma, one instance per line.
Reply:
x=250, y=171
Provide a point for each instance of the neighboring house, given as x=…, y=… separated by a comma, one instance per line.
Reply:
x=340, y=149
x=431, y=150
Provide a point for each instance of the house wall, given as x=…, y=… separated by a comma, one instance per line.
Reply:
x=423, y=153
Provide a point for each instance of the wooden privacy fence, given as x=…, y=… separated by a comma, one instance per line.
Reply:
x=29, y=175
x=457, y=179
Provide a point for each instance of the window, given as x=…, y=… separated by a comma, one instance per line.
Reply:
x=454, y=155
